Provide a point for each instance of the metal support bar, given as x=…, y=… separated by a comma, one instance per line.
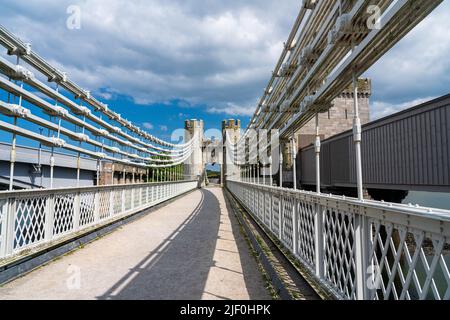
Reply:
x=318, y=240
x=295, y=227
x=357, y=138
x=294, y=164
x=281, y=165
x=317, y=149
x=12, y=158
x=52, y=167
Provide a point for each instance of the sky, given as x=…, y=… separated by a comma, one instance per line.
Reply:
x=159, y=62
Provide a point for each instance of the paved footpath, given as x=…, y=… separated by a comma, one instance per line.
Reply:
x=189, y=249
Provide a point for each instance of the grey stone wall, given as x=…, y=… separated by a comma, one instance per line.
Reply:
x=340, y=117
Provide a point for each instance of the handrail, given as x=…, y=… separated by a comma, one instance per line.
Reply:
x=32, y=220
x=31, y=192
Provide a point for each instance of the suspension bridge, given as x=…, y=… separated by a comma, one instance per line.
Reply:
x=301, y=200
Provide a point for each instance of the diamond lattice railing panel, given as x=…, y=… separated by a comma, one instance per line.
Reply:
x=306, y=243
x=267, y=209
x=137, y=194
x=63, y=213
x=250, y=199
x=339, y=254
x=117, y=201
x=157, y=193
x=29, y=227
x=407, y=264
x=41, y=216
x=144, y=195
x=128, y=195
x=87, y=208
x=104, y=204
x=245, y=197
x=259, y=209
x=287, y=227
x=403, y=262
x=163, y=192
x=151, y=190
x=276, y=211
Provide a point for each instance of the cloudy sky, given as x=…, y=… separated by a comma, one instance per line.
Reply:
x=160, y=62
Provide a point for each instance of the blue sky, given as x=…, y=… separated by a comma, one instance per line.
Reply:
x=161, y=62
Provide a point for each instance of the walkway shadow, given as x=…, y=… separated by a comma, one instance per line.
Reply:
x=179, y=266
x=178, y=269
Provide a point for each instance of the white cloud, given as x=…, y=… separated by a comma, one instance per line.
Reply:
x=381, y=109
x=232, y=110
x=163, y=128
x=216, y=54
x=148, y=125
x=206, y=53
x=418, y=66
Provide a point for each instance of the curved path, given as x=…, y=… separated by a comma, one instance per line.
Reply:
x=190, y=249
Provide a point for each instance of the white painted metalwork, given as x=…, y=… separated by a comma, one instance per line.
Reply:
x=357, y=249
x=326, y=33
x=317, y=147
x=357, y=137
x=31, y=219
x=117, y=144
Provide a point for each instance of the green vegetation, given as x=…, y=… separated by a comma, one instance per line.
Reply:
x=165, y=174
x=213, y=174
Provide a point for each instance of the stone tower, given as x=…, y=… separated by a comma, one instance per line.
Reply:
x=194, y=167
x=231, y=133
x=338, y=118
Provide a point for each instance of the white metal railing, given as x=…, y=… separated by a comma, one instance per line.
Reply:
x=31, y=218
x=357, y=249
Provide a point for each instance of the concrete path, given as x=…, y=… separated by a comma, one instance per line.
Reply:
x=190, y=249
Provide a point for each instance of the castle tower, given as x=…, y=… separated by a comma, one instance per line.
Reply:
x=194, y=166
x=231, y=133
x=339, y=117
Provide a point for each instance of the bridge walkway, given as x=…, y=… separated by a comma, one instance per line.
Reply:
x=190, y=249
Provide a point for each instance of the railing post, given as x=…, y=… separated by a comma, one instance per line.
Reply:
x=357, y=137
x=281, y=165
x=49, y=217
x=76, y=211
x=264, y=175
x=295, y=227
x=271, y=211
x=8, y=225
x=294, y=162
x=361, y=256
x=317, y=147
x=257, y=171
x=271, y=172
x=318, y=240
x=280, y=218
